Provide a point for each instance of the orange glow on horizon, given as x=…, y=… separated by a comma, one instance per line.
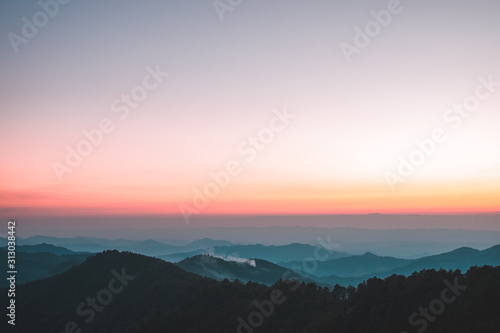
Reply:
x=460, y=198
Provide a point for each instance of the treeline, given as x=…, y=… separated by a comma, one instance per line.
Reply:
x=427, y=301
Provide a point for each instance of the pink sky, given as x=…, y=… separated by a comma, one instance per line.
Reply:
x=352, y=121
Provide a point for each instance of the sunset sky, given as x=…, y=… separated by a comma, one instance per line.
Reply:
x=348, y=125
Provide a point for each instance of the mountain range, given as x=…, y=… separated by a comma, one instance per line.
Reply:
x=40, y=261
x=224, y=262
x=406, y=243
x=127, y=292
x=344, y=271
x=147, y=247
x=272, y=253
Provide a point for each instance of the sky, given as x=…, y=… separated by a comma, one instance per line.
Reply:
x=275, y=107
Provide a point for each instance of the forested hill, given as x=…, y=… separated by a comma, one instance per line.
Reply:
x=125, y=292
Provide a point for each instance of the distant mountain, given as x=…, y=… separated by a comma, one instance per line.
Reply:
x=38, y=265
x=44, y=247
x=352, y=266
x=92, y=244
x=255, y=270
x=272, y=253
x=462, y=258
x=491, y=252
x=78, y=244
x=176, y=257
x=33, y=240
x=207, y=242
x=275, y=253
x=147, y=247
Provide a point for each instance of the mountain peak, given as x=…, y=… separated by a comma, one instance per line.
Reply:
x=464, y=249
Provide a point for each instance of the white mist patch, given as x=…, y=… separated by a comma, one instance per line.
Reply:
x=251, y=262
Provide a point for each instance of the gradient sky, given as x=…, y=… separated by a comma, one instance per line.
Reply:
x=353, y=120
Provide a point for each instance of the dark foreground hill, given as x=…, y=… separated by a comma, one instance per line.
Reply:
x=126, y=292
